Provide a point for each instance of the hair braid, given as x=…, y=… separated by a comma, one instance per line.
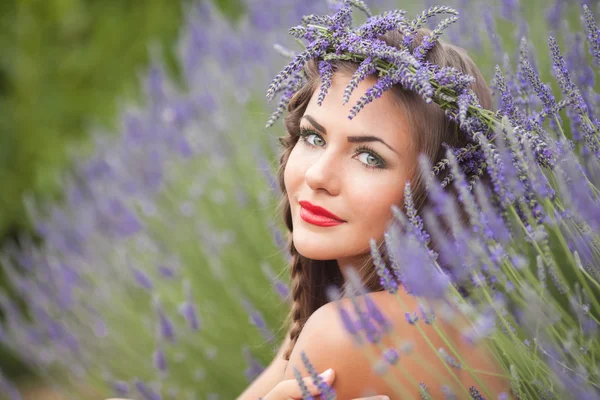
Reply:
x=299, y=277
x=299, y=299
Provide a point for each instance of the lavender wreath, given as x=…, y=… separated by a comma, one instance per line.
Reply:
x=332, y=37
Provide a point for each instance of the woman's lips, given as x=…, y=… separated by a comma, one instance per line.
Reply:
x=315, y=215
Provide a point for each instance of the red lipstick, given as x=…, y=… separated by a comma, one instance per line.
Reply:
x=317, y=215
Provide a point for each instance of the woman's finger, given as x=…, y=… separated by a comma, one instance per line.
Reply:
x=291, y=388
x=374, y=398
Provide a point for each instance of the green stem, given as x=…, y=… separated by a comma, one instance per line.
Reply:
x=432, y=347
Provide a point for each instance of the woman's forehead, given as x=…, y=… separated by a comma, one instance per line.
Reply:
x=383, y=116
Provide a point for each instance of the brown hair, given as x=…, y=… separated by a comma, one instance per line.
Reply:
x=310, y=278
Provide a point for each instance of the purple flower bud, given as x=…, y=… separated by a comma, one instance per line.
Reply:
x=146, y=392
x=424, y=392
x=159, y=360
x=391, y=356
x=326, y=72
x=166, y=272
x=253, y=367
x=386, y=279
x=142, y=279
x=120, y=388
x=327, y=391
x=377, y=315
x=164, y=325
x=189, y=312
x=305, y=393
x=411, y=319
x=593, y=34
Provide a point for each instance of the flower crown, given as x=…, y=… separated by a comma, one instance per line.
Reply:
x=333, y=38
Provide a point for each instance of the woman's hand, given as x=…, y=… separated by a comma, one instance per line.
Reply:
x=290, y=389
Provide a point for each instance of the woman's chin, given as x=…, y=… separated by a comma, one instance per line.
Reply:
x=315, y=252
x=315, y=248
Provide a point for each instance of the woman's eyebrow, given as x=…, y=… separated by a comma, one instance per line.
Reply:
x=351, y=139
x=369, y=138
x=315, y=124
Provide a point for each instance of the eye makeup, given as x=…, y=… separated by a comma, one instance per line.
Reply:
x=381, y=164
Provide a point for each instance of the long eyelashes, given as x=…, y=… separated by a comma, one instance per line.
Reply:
x=306, y=132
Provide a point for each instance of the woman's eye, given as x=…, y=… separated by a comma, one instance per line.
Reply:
x=369, y=159
x=316, y=141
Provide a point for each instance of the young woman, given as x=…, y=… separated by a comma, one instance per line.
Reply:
x=339, y=178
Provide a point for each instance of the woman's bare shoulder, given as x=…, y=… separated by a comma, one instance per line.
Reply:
x=328, y=344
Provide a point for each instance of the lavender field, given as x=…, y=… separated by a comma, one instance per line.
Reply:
x=163, y=273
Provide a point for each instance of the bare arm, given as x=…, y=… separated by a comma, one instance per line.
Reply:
x=270, y=377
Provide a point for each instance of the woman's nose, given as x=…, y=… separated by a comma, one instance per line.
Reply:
x=324, y=173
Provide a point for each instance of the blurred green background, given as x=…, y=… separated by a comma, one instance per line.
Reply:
x=66, y=67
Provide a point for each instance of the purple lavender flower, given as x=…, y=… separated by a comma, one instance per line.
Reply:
x=378, y=25
x=509, y=9
x=165, y=327
x=413, y=217
x=281, y=287
x=374, y=92
x=349, y=324
x=327, y=391
x=411, y=318
x=491, y=28
x=254, y=367
x=555, y=13
x=314, y=50
x=366, y=68
x=120, y=388
x=386, y=278
x=376, y=314
x=448, y=393
x=563, y=76
x=391, y=356
x=305, y=393
x=189, y=312
x=425, y=15
x=449, y=359
x=428, y=42
x=364, y=323
x=142, y=279
x=146, y=392
x=424, y=393
x=508, y=105
x=421, y=277
x=256, y=318
x=541, y=89
x=593, y=33
x=159, y=360
x=427, y=314
x=326, y=72
x=422, y=84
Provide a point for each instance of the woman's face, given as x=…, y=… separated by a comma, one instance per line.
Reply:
x=355, y=169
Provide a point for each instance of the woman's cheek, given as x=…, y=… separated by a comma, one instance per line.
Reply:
x=291, y=170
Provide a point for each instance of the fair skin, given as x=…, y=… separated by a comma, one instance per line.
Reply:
x=330, y=167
